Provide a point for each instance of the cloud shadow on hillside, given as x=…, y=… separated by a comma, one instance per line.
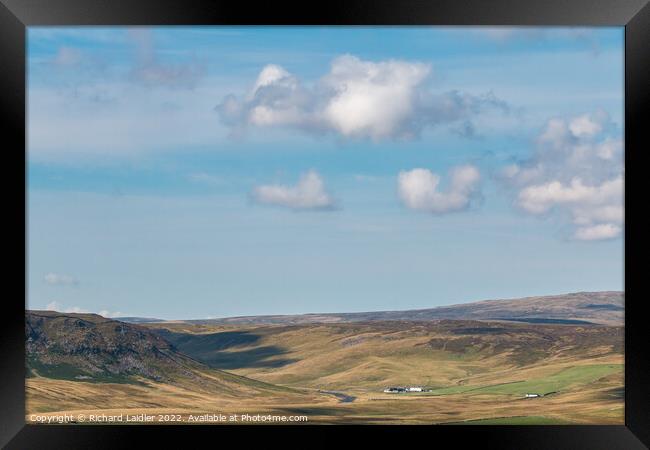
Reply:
x=228, y=349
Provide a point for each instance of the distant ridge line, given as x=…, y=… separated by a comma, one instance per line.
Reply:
x=584, y=308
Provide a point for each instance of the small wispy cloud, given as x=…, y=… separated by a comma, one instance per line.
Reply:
x=106, y=313
x=67, y=56
x=57, y=306
x=149, y=70
x=205, y=179
x=53, y=306
x=509, y=34
x=364, y=178
x=308, y=193
x=56, y=279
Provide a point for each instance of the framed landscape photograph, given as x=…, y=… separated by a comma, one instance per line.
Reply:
x=377, y=215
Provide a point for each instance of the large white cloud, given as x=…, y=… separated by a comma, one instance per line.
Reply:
x=356, y=98
x=577, y=171
x=309, y=193
x=419, y=189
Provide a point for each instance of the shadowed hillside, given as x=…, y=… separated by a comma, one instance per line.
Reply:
x=371, y=355
x=91, y=348
x=336, y=370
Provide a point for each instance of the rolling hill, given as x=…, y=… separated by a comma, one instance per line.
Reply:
x=477, y=361
x=375, y=354
x=471, y=370
x=575, y=308
x=93, y=349
x=88, y=346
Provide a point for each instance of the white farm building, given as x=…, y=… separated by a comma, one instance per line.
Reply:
x=397, y=390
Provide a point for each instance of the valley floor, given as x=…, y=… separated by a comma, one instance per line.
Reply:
x=597, y=406
x=475, y=373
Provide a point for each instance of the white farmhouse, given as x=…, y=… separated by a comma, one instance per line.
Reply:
x=395, y=390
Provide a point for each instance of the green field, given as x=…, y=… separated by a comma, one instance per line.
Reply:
x=562, y=380
x=517, y=420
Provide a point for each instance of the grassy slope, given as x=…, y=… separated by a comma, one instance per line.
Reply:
x=562, y=380
x=477, y=370
x=482, y=370
x=85, y=355
x=371, y=356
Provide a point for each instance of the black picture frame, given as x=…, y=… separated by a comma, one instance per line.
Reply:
x=16, y=15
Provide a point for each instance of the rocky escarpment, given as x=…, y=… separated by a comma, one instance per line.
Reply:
x=88, y=346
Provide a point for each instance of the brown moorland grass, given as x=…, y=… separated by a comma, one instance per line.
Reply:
x=475, y=370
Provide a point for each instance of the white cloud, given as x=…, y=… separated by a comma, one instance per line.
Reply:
x=109, y=314
x=609, y=149
x=538, y=199
x=150, y=71
x=576, y=171
x=309, y=193
x=372, y=99
x=272, y=74
x=356, y=98
x=598, y=232
x=585, y=126
x=419, y=189
x=56, y=279
x=53, y=306
x=57, y=306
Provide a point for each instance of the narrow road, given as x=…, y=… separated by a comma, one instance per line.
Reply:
x=343, y=397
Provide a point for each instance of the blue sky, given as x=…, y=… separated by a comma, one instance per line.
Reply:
x=192, y=172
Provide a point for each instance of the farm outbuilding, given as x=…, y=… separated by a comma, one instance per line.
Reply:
x=399, y=389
